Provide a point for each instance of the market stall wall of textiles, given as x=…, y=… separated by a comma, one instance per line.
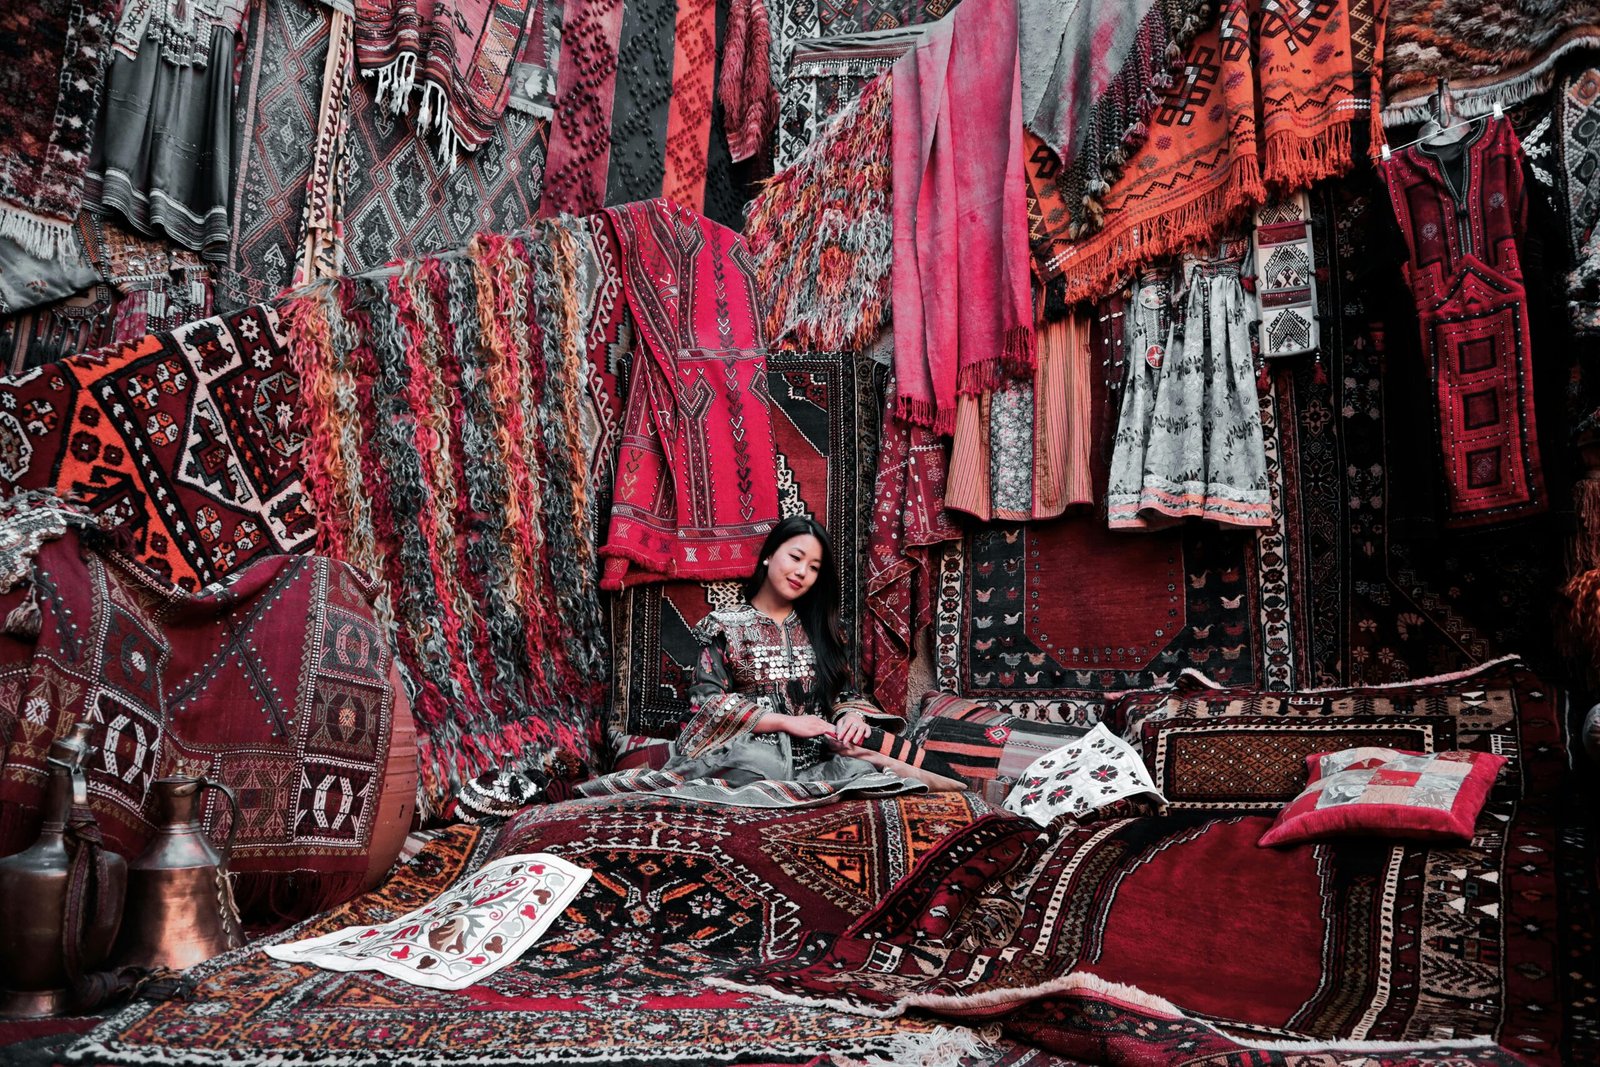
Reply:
x=1341, y=561
x=538, y=361
x=1344, y=564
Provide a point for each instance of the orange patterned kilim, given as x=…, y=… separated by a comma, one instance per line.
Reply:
x=1267, y=97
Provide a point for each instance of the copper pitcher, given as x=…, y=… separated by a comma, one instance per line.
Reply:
x=60, y=898
x=180, y=908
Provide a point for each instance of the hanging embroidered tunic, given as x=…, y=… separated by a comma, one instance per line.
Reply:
x=697, y=478
x=1461, y=207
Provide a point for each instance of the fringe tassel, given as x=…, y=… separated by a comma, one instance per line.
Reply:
x=396, y=79
x=1586, y=540
x=1299, y=161
x=1105, y=259
x=41, y=237
x=1474, y=100
x=1017, y=359
x=915, y=412
x=933, y=1048
x=25, y=620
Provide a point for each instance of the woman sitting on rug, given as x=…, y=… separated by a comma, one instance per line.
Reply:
x=773, y=724
x=770, y=693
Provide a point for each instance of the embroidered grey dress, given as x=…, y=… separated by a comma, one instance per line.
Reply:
x=1189, y=440
x=750, y=665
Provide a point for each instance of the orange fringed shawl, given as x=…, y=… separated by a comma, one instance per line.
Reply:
x=1267, y=96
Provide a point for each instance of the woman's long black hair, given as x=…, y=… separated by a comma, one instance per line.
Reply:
x=818, y=607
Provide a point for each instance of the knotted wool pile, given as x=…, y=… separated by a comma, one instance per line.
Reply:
x=444, y=453
x=821, y=233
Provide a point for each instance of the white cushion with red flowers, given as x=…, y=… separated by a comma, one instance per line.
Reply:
x=1388, y=792
x=1091, y=772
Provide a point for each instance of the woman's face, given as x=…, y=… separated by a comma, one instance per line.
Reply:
x=793, y=568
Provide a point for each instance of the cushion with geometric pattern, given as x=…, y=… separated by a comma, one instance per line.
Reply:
x=1384, y=792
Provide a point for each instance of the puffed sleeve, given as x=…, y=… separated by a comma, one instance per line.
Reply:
x=720, y=713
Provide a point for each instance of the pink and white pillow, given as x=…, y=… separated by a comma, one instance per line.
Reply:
x=1386, y=792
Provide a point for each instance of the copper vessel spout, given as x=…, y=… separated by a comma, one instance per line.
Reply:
x=180, y=908
x=52, y=932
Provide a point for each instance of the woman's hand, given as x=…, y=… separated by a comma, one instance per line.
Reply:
x=851, y=728
x=807, y=726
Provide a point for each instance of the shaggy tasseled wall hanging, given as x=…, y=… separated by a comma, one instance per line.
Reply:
x=821, y=234
x=443, y=449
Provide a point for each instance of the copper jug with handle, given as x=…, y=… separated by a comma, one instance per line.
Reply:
x=180, y=908
x=61, y=897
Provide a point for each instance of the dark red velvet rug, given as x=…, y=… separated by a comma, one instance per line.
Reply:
x=1177, y=939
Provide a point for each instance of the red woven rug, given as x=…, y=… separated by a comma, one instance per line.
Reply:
x=1178, y=939
x=696, y=487
x=187, y=438
x=51, y=59
x=276, y=684
x=679, y=891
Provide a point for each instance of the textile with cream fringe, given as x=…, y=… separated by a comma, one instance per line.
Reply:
x=457, y=54
x=443, y=449
x=1208, y=157
x=52, y=57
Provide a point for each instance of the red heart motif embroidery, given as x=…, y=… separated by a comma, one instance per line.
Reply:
x=402, y=952
x=530, y=911
x=477, y=959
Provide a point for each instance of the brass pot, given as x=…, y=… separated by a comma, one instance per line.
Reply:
x=51, y=933
x=180, y=908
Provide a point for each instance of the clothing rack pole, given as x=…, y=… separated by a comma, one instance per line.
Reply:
x=1498, y=112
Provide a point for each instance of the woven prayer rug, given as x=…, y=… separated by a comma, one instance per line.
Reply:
x=1072, y=609
x=1378, y=590
x=52, y=56
x=1492, y=51
x=400, y=202
x=275, y=682
x=616, y=980
x=188, y=439
x=1358, y=940
x=825, y=416
x=275, y=119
